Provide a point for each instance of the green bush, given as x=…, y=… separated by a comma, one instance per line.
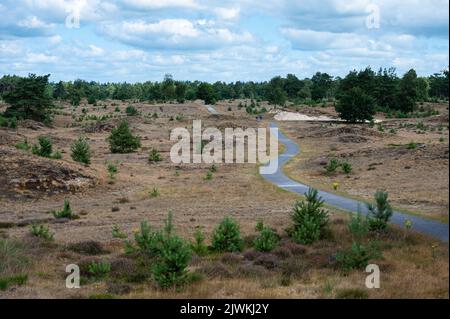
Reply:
x=308, y=232
x=112, y=170
x=309, y=218
x=45, y=147
x=208, y=176
x=18, y=280
x=154, y=156
x=66, y=212
x=358, y=256
x=198, y=246
x=131, y=111
x=80, y=151
x=171, y=253
x=117, y=233
x=154, y=193
x=91, y=99
x=267, y=239
x=23, y=145
x=227, y=236
x=358, y=227
x=381, y=212
x=346, y=167
x=172, y=261
x=100, y=269
x=41, y=231
x=332, y=166
x=122, y=140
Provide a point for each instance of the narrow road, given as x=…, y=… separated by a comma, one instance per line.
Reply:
x=433, y=228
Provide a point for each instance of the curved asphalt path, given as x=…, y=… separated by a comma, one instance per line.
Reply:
x=433, y=228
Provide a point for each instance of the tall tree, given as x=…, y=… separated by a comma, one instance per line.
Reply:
x=407, y=94
x=29, y=98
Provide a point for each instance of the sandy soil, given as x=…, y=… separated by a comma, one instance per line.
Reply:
x=234, y=190
x=416, y=178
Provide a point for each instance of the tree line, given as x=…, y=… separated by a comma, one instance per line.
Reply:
x=359, y=93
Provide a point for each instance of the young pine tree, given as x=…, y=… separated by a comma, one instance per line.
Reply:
x=122, y=140
x=81, y=151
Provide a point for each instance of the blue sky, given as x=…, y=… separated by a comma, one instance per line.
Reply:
x=139, y=40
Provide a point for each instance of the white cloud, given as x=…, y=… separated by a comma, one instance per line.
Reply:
x=175, y=34
x=158, y=4
x=227, y=13
x=40, y=58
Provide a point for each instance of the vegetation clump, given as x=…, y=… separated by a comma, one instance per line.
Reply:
x=81, y=151
x=309, y=217
x=121, y=140
x=227, y=236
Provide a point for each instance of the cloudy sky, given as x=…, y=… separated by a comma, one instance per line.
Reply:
x=139, y=40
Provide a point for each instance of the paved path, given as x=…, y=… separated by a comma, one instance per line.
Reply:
x=430, y=227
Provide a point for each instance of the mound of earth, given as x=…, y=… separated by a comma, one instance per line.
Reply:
x=26, y=175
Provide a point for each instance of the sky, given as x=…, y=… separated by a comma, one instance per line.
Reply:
x=246, y=40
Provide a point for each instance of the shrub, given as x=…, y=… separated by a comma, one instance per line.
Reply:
x=227, y=236
x=44, y=148
x=208, y=176
x=112, y=170
x=18, y=280
x=267, y=239
x=154, y=193
x=198, y=246
x=41, y=231
x=13, y=258
x=347, y=167
x=100, y=269
x=23, y=145
x=381, y=212
x=411, y=146
x=358, y=256
x=147, y=240
x=117, y=233
x=358, y=227
x=89, y=247
x=154, y=156
x=308, y=232
x=131, y=111
x=309, y=218
x=122, y=140
x=80, y=151
x=65, y=213
x=57, y=155
x=172, y=261
x=332, y=166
